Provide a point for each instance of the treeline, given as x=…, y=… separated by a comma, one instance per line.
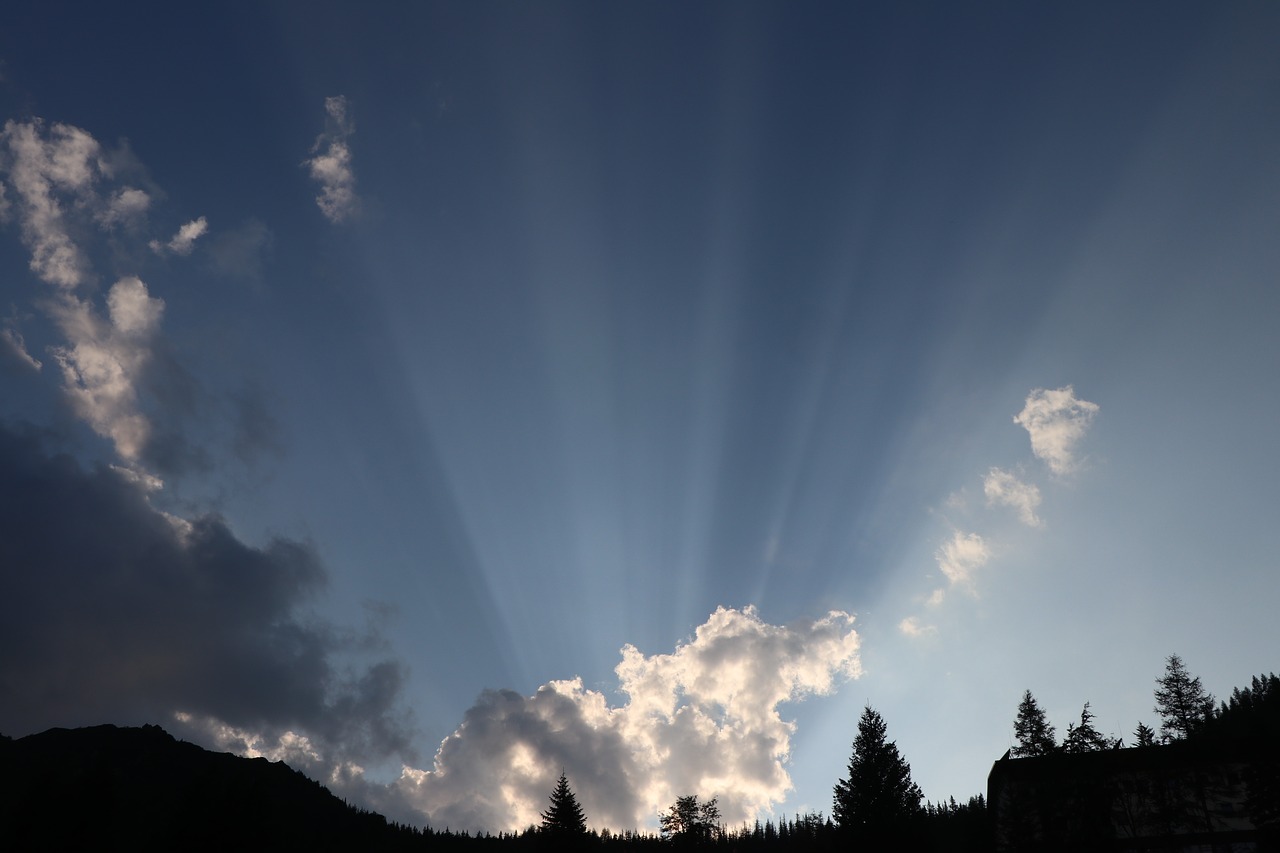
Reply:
x=90, y=788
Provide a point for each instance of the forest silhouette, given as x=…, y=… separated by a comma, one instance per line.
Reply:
x=107, y=786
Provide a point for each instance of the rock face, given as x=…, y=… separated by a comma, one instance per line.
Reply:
x=107, y=786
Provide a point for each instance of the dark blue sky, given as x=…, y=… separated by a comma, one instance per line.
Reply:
x=503, y=336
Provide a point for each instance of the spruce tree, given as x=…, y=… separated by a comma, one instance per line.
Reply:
x=1084, y=737
x=1144, y=735
x=879, y=795
x=1181, y=701
x=564, y=817
x=1035, y=735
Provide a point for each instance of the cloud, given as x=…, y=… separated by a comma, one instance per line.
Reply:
x=185, y=240
x=961, y=556
x=1056, y=420
x=1005, y=489
x=241, y=252
x=44, y=169
x=113, y=611
x=912, y=628
x=703, y=719
x=14, y=347
x=126, y=206
x=103, y=358
x=331, y=167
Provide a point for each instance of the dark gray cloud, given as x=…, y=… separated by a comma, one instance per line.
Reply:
x=112, y=611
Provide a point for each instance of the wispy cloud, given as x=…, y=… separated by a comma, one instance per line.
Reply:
x=1003, y=488
x=911, y=627
x=1056, y=420
x=126, y=206
x=960, y=556
x=703, y=719
x=185, y=240
x=15, y=346
x=331, y=165
x=43, y=167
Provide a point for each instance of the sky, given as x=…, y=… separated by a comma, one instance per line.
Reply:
x=441, y=395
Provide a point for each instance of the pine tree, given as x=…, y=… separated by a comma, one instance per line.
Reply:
x=564, y=817
x=1181, y=702
x=1144, y=735
x=1035, y=735
x=1084, y=737
x=879, y=794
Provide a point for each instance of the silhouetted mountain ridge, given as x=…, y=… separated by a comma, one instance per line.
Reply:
x=90, y=787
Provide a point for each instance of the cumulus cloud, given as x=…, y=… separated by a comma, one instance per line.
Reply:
x=331, y=165
x=1056, y=420
x=960, y=556
x=1003, y=488
x=111, y=610
x=703, y=719
x=185, y=240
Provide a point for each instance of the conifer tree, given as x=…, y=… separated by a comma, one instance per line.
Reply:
x=1181, y=701
x=1035, y=735
x=1144, y=735
x=1084, y=737
x=564, y=816
x=879, y=794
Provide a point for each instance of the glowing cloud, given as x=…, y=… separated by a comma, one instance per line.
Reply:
x=702, y=719
x=1005, y=489
x=331, y=167
x=1056, y=419
x=961, y=556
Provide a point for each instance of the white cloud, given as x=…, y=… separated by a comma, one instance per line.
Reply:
x=1005, y=489
x=331, y=167
x=103, y=358
x=912, y=628
x=961, y=556
x=1056, y=419
x=126, y=206
x=185, y=240
x=703, y=719
x=41, y=167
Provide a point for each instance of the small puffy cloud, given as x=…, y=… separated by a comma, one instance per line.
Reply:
x=112, y=610
x=960, y=556
x=102, y=360
x=911, y=627
x=1003, y=488
x=1056, y=420
x=331, y=165
x=703, y=719
x=185, y=240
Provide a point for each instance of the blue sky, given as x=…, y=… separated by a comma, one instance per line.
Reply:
x=371, y=374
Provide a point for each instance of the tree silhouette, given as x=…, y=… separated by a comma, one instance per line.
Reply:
x=564, y=816
x=1144, y=735
x=1084, y=737
x=1035, y=735
x=1181, y=701
x=879, y=795
x=691, y=822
